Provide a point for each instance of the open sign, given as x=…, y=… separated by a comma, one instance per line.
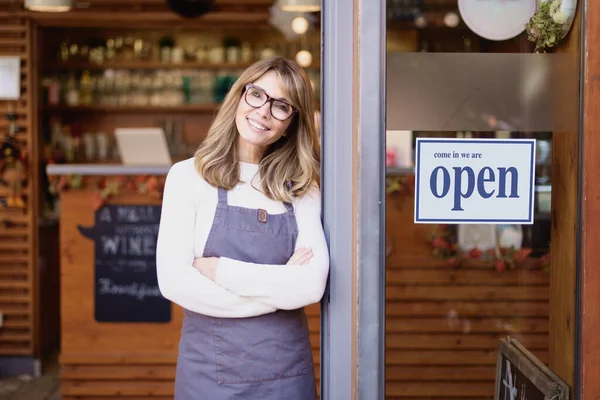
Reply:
x=474, y=180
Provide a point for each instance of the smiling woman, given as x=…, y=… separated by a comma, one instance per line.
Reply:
x=241, y=246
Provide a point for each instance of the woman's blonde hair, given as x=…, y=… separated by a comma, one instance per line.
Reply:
x=290, y=165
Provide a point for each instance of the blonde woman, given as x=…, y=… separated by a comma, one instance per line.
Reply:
x=241, y=246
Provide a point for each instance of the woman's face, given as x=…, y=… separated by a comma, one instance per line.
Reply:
x=256, y=126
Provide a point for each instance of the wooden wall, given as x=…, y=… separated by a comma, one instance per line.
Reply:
x=443, y=325
x=18, y=227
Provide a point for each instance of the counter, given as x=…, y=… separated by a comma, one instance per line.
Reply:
x=119, y=336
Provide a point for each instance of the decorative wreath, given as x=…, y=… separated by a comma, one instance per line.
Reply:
x=549, y=25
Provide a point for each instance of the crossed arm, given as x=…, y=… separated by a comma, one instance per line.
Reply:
x=298, y=283
x=238, y=289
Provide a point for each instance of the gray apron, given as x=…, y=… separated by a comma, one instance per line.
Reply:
x=268, y=357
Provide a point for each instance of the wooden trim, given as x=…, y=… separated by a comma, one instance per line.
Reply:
x=563, y=247
x=167, y=18
x=34, y=151
x=590, y=213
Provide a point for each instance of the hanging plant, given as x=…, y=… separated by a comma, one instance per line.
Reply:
x=549, y=24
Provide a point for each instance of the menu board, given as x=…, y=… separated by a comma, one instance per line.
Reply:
x=125, y=282
x=521, y=376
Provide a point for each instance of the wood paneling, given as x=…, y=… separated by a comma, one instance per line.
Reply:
x=590, y=224
x=112, y=360
x=18, y=227
x=443, y=325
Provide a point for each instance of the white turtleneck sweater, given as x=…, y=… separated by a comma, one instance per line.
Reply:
x=240, y=289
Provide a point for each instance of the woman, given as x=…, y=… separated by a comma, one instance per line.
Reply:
x=241, y=246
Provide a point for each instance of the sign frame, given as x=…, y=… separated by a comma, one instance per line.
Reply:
x=532, y=368
x=531, y=179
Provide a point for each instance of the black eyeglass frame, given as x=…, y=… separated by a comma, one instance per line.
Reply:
x=268, y=100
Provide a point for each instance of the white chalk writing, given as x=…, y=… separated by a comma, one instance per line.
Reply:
x=136, y=290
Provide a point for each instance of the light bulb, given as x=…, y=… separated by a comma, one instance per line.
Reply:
x=299, y=25
x=304, y=58
x=421, y=21
x=451, y=19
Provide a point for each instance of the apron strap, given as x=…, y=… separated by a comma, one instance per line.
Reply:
x=222, y=195
x=289, y=207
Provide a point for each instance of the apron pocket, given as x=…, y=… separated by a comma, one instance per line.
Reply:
x=265, y=348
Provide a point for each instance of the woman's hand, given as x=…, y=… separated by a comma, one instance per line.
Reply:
x=300, y=257
x=207, y=266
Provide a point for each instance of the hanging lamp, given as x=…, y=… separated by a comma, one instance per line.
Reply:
x=49, y=5
x=300, y=5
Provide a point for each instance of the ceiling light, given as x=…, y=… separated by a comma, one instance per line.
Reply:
x=451, y=19
x=300, y=5
x=304, y=58
x=299, y=25
x=48, y=5
x=421, y=21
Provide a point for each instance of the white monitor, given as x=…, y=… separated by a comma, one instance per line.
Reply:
x=143, y=146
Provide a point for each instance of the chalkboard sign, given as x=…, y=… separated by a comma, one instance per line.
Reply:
x=521, y=376
x=126, y=286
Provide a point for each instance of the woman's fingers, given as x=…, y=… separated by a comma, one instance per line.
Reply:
x=301, y=257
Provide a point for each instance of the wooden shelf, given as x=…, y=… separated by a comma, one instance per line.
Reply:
x=80, y=65
x=148, y=65
x=187, y=108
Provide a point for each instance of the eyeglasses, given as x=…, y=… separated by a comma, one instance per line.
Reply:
x=256, y=97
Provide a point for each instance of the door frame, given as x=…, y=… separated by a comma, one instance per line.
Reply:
x=353, y=170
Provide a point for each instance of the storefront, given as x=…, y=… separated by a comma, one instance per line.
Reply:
x=412, y=310
x=447, y=301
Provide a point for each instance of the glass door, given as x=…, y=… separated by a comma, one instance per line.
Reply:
x=480, y=70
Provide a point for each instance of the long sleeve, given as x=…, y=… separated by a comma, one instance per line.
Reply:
x=178, y=280
x=285, y=287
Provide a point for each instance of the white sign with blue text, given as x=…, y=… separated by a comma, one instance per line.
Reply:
x=474, y=181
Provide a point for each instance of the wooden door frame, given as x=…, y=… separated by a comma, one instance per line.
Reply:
x=589, y=228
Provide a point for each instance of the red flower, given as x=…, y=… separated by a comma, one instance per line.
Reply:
x=453, y=262
x=545, y=259
x=521, y=255
x=152, y=183
x=440, y=243
x=475, y=253
x=97, y=201
x=500, y=265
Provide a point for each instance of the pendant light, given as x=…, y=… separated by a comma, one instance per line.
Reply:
x=48, y=5
x=300, y=5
